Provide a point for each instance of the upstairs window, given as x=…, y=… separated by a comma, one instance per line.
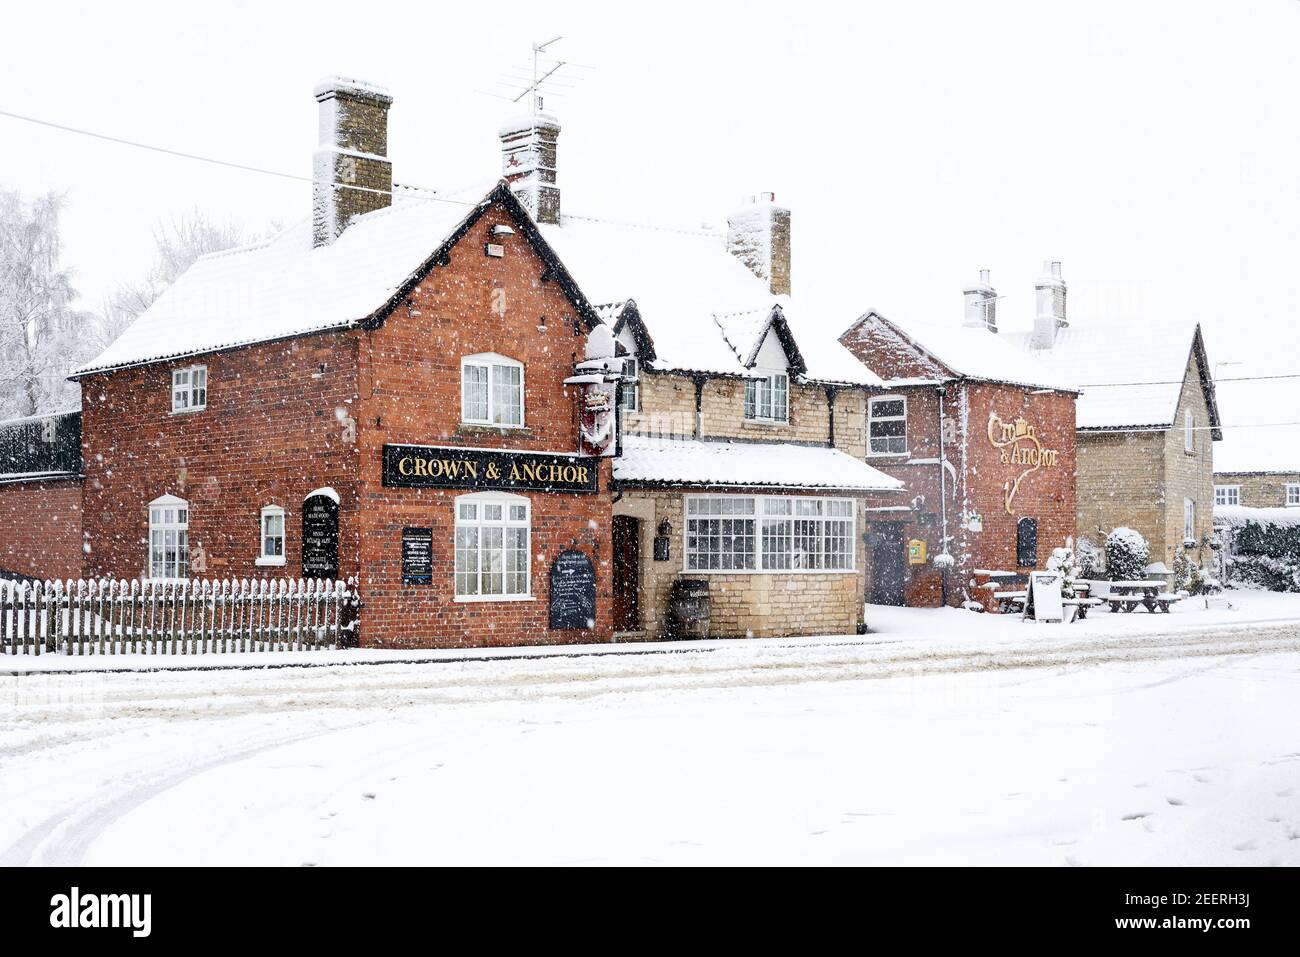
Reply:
x=630, y=397
x=768, y=399
x=1189, y=520
x=190, y=389
x=492, y=391
x=272, y=549
x=1189, y=431
x=887, y=426
x=169, y=538
x=1293, y=493
x=1227, y=495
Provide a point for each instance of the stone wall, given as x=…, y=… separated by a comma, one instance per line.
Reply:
x=667, y=409
x=755, y=604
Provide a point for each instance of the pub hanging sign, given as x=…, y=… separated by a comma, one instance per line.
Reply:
x=428, y=466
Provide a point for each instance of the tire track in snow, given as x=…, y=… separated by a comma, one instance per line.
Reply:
x=63, y=839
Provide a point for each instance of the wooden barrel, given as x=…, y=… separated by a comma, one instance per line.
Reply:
x=689, y=609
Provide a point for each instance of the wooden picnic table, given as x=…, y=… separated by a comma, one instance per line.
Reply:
x=1151, y=595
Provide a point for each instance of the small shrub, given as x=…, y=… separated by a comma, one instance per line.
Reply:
x=1127, y=555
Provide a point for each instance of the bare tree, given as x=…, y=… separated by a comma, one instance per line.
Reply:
x=179, y=243
x=41, y=335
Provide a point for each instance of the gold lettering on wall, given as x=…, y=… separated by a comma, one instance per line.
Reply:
x=1019, y=446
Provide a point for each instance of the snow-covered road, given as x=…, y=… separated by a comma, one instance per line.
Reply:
x=1068, y=747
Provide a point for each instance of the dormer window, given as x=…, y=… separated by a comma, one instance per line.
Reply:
x=190, y=389
x=492, y=391
x=768, y=399
x=630, y=396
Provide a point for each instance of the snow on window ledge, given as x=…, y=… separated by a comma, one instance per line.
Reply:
x=471, y=599
x=266, y=560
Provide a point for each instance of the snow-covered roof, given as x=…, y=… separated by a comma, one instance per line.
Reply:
x=963, y=351
x=1239, y=515
x=743, y=464
x=1106, y=360
x=704, y=309
x=284, y=287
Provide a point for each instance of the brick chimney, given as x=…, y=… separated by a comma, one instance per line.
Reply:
x=1049, y=299
x=528, y=154
x=351, y=169
x=981, y=304
x=759, y=236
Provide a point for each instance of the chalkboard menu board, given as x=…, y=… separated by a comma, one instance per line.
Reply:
x=417, y=556
x=573, y=591
x=320, y=536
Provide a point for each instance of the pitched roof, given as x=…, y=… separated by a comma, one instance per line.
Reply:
x=702, y=307
x=1128, y=380
x=744, y=464
x=956, y=351
x=284, y=287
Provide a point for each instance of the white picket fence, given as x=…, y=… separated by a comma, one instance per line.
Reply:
x=109, y=617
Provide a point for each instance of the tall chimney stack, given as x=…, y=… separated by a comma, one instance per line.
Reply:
x=528, y=162
x=351, y=169
x=1049, y=299
x=759, y=236
x=981, y=305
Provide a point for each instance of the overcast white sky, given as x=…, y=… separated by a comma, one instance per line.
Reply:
x=1151, y=146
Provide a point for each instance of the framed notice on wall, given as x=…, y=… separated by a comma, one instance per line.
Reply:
x=417, y=556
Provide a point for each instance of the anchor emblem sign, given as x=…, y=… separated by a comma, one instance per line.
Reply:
x=1020, y=446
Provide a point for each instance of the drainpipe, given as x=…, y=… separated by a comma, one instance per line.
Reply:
x=831, y=392
x=943, y=505
x=699, y=405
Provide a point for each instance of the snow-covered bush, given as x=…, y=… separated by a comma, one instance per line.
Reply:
x=1264, y=546
x=1063, y=561
x=1090, y=558
x=1127, y=554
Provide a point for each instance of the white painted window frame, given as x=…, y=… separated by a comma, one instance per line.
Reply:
x=630, y=396
x=760, y=516
x=764, y=385
x=264, y=559
x=479, y=521
x=1227, y=495
x=872, y=417
x=189, y=389
x=1189, y=520
x=492, y=361
x=159, y=525
x=1189, y=431
x=1291, y=494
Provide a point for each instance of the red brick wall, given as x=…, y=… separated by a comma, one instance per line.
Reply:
x=40, y=528
x=275, y=428
x=1047, y=494
x=976, y=482
x=410, y=393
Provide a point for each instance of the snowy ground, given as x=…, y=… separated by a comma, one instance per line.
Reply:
x=1126, y=740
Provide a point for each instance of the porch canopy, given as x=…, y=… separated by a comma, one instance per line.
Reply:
x=663, y=462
